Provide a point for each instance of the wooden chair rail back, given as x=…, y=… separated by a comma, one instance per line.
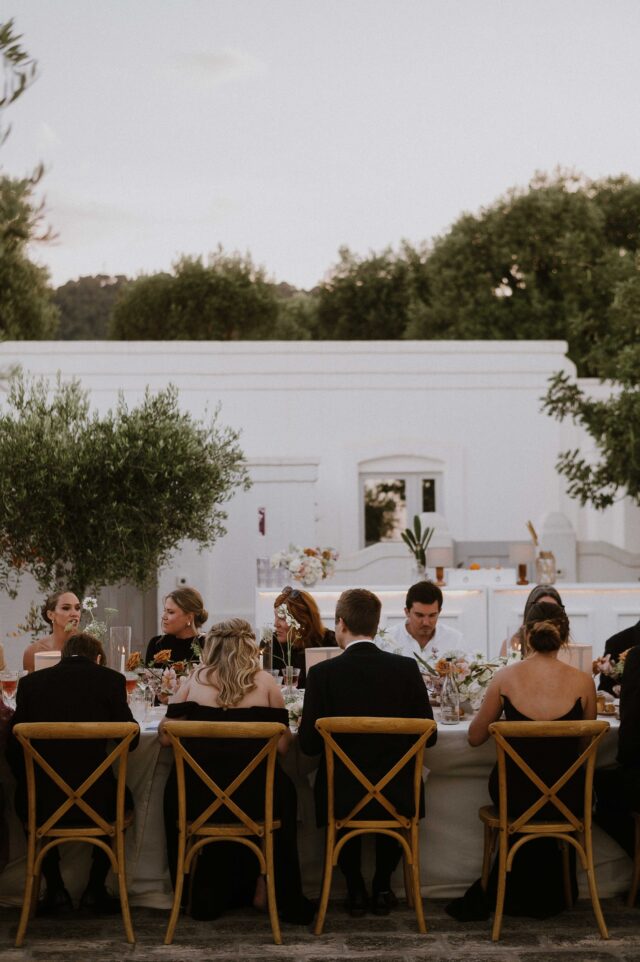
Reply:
x=422, y=728
x=195, y=835
x=28, y=732
x=593, y=731
x=98, y=827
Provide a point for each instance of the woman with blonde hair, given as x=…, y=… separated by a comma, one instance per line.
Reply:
x=302, y=607
x=230, y=686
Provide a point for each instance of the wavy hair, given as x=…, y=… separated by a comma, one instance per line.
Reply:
x=306, y=612
x=230, y=653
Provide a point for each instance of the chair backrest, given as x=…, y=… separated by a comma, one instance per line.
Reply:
x=122, y=733
x=419, y=728
x=588, y=734
x=269, y=733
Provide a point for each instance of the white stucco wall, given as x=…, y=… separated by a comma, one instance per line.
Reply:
x=311, y=413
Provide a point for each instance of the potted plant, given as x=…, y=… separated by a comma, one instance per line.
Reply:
x=417, y=542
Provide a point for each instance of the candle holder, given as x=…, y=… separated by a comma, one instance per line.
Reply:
x=522, y=554
x=119, y=647
x=440, y=558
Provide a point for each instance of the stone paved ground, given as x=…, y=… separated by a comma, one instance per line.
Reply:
x=572, y=937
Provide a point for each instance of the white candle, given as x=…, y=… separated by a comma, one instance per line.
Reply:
x=122, y=662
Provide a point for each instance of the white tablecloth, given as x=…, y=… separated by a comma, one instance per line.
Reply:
x=451, y=832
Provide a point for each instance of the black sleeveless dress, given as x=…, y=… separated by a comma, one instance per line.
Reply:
x=226, y=872
x=535, y=883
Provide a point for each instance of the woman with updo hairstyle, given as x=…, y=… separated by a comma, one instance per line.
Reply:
x=230, y=686
x=62, y=612
x=541, y=687
x=537, y=593
x=311, y=633
x=182, y=617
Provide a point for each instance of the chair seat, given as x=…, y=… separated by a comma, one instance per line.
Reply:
x=230, y=829
x=535, y=826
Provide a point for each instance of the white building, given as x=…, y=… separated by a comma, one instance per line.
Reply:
x=460, y=419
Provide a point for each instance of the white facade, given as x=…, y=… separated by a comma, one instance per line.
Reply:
x=315, y=416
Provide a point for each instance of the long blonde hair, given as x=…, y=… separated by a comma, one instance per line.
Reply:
x=231, y=653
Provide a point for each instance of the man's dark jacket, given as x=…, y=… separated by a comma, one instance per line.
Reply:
x=75, y=690
x=363, y=681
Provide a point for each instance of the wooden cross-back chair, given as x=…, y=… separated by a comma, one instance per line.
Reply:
x=568, y=828
x=405, y=829
x=96, y=830
x=195, y=834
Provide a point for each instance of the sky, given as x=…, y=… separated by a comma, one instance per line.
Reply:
x=287, y=128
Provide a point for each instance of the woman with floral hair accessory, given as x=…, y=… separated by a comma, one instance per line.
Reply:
x=62, y=610
x=229, y=686
x=297, y=626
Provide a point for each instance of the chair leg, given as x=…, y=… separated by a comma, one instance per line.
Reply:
x=566, y=875
x=271, y=888
x=489, y=842
x=408, y=881
x=31, y=892
x=593, y=889
x=177, y=895
x=326, y=878
x=502, y=886
x=633, y=891
x=415, y=871
x=122, y=888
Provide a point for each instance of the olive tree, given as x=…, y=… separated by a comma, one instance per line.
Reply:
x=89, y=500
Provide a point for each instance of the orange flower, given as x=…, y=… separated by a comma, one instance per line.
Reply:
x=133, y=661
x=163, y=657
x=178, y=667
x=443, y=667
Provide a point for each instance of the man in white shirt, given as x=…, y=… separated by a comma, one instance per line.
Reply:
x=421, y=632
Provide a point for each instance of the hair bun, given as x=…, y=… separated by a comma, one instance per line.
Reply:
x=200, y=617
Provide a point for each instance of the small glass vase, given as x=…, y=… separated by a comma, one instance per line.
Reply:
x=449, y=701
x=546, y=568
x=419, y=571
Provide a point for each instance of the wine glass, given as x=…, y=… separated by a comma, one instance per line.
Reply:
x=9, y=682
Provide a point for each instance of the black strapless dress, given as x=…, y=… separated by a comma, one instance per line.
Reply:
x=535, y=883
x=226, y=873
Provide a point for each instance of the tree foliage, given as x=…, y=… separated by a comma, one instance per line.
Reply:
x=368, y=298
x=88, y=501
x=227, y=299
x=26, y=311
x=86, y=306
x=614, y=425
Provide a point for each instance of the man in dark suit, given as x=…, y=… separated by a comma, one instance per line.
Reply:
x=364, y=681
x=615, y=646
x=77, y=689
x=618, y=787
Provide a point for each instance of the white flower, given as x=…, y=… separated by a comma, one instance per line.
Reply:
x=89, y=604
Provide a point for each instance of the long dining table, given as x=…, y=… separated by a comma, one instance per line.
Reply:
x=451, y=833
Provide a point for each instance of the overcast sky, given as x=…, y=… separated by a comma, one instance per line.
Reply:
x=287, y=128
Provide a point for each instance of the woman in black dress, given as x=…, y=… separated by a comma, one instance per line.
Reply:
x=312, y=633
x=538, y=688
x=182, y=617
x=229, y=686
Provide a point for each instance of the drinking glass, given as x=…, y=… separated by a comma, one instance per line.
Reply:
x=9, y=683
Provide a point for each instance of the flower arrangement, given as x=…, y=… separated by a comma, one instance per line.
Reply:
x=471, y=671
x=94, y=627
x=306, y=565
x=293, y=627
x=162, y=674
x=293, y=702
x=613, y=667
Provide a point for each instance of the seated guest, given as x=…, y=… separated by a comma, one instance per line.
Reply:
x=617, y=787
x=422, y=631
x=62, y=610
x=311, y=633
x=363, y=681
x=546, y=593
x=539, y=688
x=615, y=646
x=229, y=686
x=182, y=617
x=77, y=689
